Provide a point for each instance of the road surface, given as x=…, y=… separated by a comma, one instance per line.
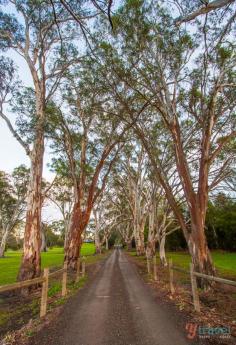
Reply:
x=115, y=308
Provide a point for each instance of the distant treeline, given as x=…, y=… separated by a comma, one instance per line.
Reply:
x=220, y=226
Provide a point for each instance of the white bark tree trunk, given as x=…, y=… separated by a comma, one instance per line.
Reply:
x=8, y=228
x=129, y=244
x=43, y=242
x=67, y=227
x=97, y=242
x=31, y=259
x=162, y=251
x=3, y=243
x=151, y=244
x=107, y=245
x=139, y=242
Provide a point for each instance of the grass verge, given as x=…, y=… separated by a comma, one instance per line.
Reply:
x=9, y=265
x=224, y=262
x=15, y=311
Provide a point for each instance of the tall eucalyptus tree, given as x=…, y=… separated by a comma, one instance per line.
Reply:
x=13, y=191
x=87, y=142
x=187, y=81
x=30, y=29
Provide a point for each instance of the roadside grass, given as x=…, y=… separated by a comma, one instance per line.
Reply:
x=224, y=262
x=53, y=258
x=218, y=304
x=16, y=313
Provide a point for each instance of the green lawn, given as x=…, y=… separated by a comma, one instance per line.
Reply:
x=225, y=262
x=53, y=258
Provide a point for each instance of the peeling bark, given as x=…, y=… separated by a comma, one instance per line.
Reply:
x=31, y=260
x=139, y=243
x=97, y=243
x=43, y=241
x=151, y=244
x=97, y=218
x=78, y=225
x=4, y=242
x=199, y=250
x=195, y=236
x=107, y=246
x=128, y=244
x=162, y=251
x=150, y=249
x=3, y=245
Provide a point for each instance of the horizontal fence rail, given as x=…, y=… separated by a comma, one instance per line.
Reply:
x=206, y=276
x=193, y=275
x=55, y=273
x=176, y=268
x=44, y=280
x=19, y=285
x=216, y=279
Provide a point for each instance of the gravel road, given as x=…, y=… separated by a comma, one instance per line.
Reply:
x=115, y=308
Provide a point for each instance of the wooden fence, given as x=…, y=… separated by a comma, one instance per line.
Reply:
x=44, y=280
x=193, y=278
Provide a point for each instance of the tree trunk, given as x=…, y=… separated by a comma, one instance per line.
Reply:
x=3, y=243
x=73, y=249
x=78, y=225
x=151, y=244
x=67, y=229
x=74, y=243
x=129, y=245
x=195, y=239
x=162, y=251
x=197, y=203
x=2, y=250
x=200, y=254
x=31, y=260
x=197, y=244
x=97, y=243
x=107, y=245
x=150, y=249
x=43, y=241
x=139, y=243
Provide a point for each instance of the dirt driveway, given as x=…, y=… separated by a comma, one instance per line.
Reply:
x=115, y=308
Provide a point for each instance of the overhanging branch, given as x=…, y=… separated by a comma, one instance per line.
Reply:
x=211, y=6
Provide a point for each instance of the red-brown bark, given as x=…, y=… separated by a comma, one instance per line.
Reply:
x=78, y=224
x=84, y=201
x=195, y=235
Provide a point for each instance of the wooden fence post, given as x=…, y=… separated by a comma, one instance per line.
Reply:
x=194, y=289
x=171, y=274
x=148, y=266
x=83, y=267
x=78, y=271
x=44, y=294
x=155, y=267
x=64, y=280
